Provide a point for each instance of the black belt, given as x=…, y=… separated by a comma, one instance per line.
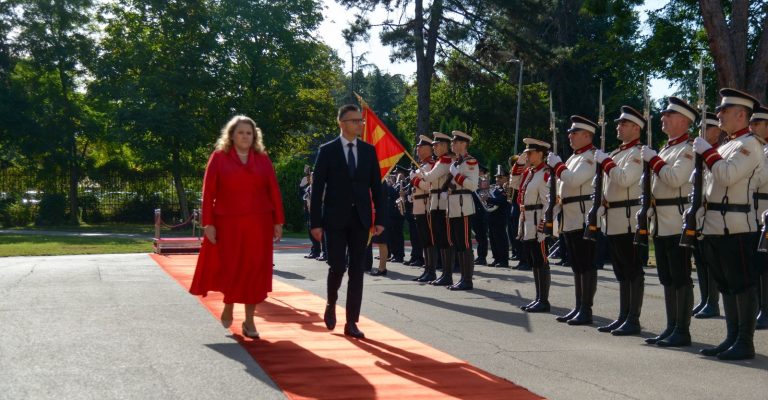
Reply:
x=420, y=196
x=437, y=191
x=533, y=207
x=724, y=208
x=461, y=191
x=619, y=204
x=573, y=199
x=760, y=196
x=674, y=201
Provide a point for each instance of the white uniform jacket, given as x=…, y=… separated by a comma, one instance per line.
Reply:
x=670, y=186
x=734, y=168
x=575, y=188
x=436, y=177
x=533, y=197
x=760, y=197
x=421, y=189
x=462, y=186
x=621, y=189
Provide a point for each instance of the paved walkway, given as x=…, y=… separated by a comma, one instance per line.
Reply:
x=116, y=326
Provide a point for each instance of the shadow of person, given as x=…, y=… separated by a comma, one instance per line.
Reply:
x=272, y=311
x=456, y=379
x=301, y=373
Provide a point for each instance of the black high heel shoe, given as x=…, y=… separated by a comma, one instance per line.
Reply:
x=378, y=272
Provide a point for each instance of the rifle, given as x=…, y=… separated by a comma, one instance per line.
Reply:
x=688, y=237
x=591, y=231
x=641, y=233
x=549, y=212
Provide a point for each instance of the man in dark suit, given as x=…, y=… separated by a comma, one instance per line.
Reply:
x=346, y=179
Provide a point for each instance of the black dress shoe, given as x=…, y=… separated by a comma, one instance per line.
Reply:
x=480, y=261
x=417, y=263
x=540, y=307
x=322, y=258
x=397, y=260
x=330, y=316
x=312, y=255
x=350, y=329
x=379, y=272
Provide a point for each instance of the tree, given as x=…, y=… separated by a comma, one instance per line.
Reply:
x=56, y=36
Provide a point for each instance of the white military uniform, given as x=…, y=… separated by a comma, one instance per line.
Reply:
x=761, y=195
x=421, y=189
x=533, y=197
x=670, y=186
x=460, y=202
x=621, y=185
x=575, y=187
x=436, y=177
x=732, y=181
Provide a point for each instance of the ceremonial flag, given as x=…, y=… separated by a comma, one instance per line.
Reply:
x=388, y=148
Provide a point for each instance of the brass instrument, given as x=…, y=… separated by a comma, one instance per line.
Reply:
x=484, y=192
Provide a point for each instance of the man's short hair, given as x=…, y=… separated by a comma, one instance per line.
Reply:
x=343, y=110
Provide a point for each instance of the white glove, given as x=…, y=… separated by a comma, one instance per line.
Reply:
x=444, y=196
x=647, y=153
x=522, y=159
x=700, y=145
x=651, y=212
x=454, y=169
x=600, y=156
x=557, y=209
x=553, y=159
x=648, y=215
x=699, y=216
x=412, y=175
x=600, y=213
x=540, y=236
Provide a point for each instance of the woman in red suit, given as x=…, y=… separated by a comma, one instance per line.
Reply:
x=242, y=216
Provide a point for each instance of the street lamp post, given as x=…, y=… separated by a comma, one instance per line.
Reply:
x=519, y=98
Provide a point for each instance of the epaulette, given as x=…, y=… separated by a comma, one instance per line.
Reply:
x=472, y=161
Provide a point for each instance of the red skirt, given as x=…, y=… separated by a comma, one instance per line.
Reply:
x=239, y=265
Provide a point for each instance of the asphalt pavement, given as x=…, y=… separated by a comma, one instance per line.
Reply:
x=116, y=326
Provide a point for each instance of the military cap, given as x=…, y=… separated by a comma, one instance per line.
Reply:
x=535, y=144
x=680, y=106
x=579, y=123
x=500, y=171
x=461, y=136
x=630, y=114
x=733, y=97
x=424, y=140
x=440, y=137
x=760, y=114
x=712, y=120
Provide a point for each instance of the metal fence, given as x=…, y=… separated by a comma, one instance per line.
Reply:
x=109, y=197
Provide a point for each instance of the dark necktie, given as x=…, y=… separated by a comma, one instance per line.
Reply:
x=351, y=159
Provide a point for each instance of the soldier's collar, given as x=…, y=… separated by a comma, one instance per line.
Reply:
x=680, y=139
x=739, y=133
x=428, y=159
x=537, y=169
x=585, y=148
x=630, y=144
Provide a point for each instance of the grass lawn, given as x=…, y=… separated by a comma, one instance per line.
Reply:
x=49, y=245
x=142, y=229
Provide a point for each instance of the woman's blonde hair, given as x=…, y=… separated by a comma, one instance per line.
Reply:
x=225, y=140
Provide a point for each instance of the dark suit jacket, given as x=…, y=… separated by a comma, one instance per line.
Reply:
x=334, y=191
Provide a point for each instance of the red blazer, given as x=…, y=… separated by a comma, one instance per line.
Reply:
x=233, y=188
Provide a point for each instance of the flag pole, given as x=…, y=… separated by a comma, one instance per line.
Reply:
x=407, y=153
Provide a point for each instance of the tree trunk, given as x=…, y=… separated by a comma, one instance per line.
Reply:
x=179, y=184
x=423, y=77
x=720, y=44
x=757, y=73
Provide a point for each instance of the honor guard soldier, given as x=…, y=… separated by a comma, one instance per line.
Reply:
x=465, y=172
x=729, y=228
x=709, y=306
x=574, y=193
x=670, y=186
x=531, y=178
x=437, y=178
x=758, y=125
x=421, y=208
x=498, y=218
x=621, y=192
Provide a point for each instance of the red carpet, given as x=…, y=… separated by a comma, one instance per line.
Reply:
x=308, y=362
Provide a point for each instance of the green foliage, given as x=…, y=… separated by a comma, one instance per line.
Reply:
x=18, y=214
x=139, y=209
x=52, y=210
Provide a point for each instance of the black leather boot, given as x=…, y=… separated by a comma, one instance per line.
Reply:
x=589, y=287
x=467, y=265
x=670, y=306
x=623, y=309
x=429, y=267
x=762, y=317
x=712, y=308
x=632, y=325
x=731, y=325
x=744, y=347
x=681, y=336
x=575, y=310
x=446, y=278
x=543, y=304
x=703, y=275
x=537, y=284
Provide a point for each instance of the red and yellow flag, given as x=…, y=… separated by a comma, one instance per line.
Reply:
x=388, y=148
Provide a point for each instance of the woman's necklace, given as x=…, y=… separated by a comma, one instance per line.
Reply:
x=243, y=156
